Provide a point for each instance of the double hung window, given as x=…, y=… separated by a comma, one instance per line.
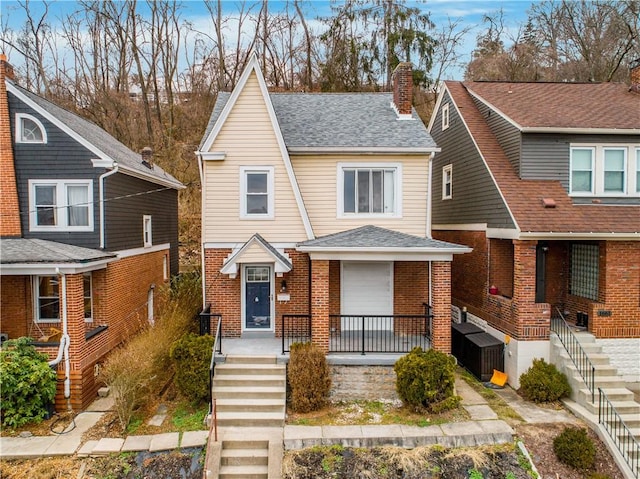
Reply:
x=63, y=205
x=604, y=170
x=256, y=200
x=369, y=190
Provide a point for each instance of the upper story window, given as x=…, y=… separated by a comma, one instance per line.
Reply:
x=445, y=116
x=29, y=129
x=611, y=170
x=60, y=205
x=256, y=193
x=369, y=190
x=147, y=230
x=447, y=182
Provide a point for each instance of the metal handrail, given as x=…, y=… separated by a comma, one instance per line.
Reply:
x=295, y=328
x=619, y=432
x=577, y=354
x=216, y=348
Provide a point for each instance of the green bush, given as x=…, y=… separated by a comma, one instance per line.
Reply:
x=308, y=376
x=542, y=382
x=425, y=380
x=191, y=355
x=574, y=448
x=28, y=383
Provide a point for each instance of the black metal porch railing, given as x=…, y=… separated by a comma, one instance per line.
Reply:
x=206, y=318
x=378, y=334
x=619, y=432
x=296, y=328
x=580, y=359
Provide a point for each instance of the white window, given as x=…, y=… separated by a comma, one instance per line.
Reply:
x=147, y=230
x=29, y=129
x=369, y=190
x=88, y=302
x=256, y=193
x=581, y=170
x=60, y=205
x=447, y=182
x=614, y=167
x=445, y=116
x=47, y=293
x=165, y=267
x=604, y=170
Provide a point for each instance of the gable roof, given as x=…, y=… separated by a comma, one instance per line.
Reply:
x=562, y=106
x=282, y=262
x=339, y=122
x=94, y=138
x=524, y=197
x=376, y=238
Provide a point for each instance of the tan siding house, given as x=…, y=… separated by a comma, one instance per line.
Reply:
x=315, y=217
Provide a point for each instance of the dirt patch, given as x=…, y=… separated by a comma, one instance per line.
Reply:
x=538, y=438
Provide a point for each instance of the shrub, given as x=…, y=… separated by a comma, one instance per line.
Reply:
x=191, y=356
x=425, y=380
x=28, y=383
x=542, y=382
x=308, y=376
x=137, y=371
x=574, y=448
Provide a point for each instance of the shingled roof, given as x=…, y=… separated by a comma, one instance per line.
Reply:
x=524, y=197
x=37, y=251
x=352, y=121
x=562, y=105
x=98, y=138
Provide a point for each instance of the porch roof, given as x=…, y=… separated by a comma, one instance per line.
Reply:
x=380, y=243
x=282, y=262
x=37, y=256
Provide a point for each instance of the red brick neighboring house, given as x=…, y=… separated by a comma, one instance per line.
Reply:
x=88, y=231
x=543, y=181
x=288, y=230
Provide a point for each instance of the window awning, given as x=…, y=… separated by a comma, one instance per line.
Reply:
x=256, y=250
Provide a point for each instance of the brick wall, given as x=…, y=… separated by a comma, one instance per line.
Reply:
x=334, y=287
x=9, y=209
x=15, y=305
x=411, y=287
x=403, y=88
x=297, y=287
x=501, y=266
x=222, y=292
x=320, y=303
x=441, y=303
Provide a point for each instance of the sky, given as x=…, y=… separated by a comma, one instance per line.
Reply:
x=469, y=12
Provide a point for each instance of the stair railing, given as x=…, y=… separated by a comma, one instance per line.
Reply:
x=577, y=354
x=619, y=432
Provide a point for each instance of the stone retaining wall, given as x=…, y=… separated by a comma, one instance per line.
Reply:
x=363, y=382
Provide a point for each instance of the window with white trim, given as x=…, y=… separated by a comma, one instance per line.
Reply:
x=47, y=293
x=29, y=129
x=584, y=270
x=256, y=193
x=60, y=205
x=604, y=170
x=147, y=230
x=88, y=300
x=165, y=267
x=447, y=182
x=445, y=116
x=369, y=190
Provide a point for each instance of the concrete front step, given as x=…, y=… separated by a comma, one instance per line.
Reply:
x=251, y=369
x=252, y=419
x=614, y=394
x=602, y=382
x=250, y=405
x=244, y=472
x=248, y=392
x=632, y=421
x=261, y=380
x=600, y=370
x=622, y=407
x=244, y=457
x=240, y=359
x=595, y=358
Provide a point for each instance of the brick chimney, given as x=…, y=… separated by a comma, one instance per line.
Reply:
x=147, y=157
x=9, y=206
x=635, y=75
x=403, y=89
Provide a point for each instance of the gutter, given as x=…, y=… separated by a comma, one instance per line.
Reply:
x=101, y=187
x=429, y=195
x=310, y=150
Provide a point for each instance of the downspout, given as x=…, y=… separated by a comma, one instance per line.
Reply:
x=203, y=282
x=429, y=194
x=101, y=187
x=65, y=339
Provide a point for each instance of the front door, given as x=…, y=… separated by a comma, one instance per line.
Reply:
x=257, y=283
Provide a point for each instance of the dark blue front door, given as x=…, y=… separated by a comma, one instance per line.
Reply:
x=257, y=297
